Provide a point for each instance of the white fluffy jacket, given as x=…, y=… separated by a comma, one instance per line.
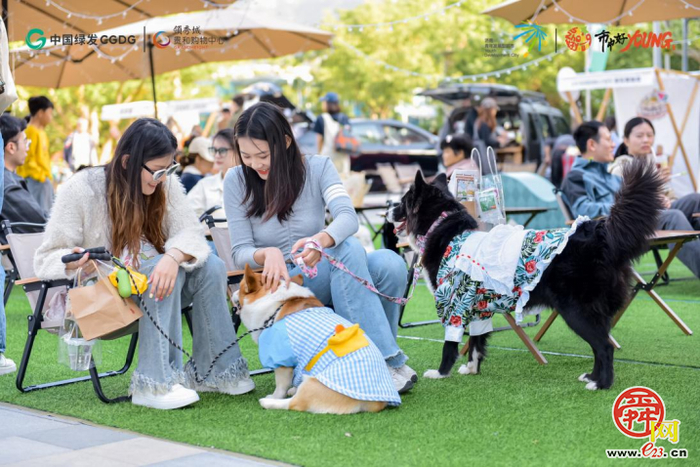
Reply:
x=79, y=218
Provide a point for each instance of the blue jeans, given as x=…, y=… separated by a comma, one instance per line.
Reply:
x=378, y=317
x=160, y=364
x=3, y=322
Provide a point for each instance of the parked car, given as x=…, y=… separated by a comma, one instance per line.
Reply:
x=525, y=115
x=393, y=142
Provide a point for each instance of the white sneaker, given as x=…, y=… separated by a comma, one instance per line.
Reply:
x=236, y=388
x=177, y=397
x=401, y=383
x=7, y=366
x=408, y=373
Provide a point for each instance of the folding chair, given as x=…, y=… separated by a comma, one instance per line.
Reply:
x=661, y=239
x=10, y=271
x=509, y=318
x=39, y=293
x=406, y=174
x=389, y=178
x=222, y=242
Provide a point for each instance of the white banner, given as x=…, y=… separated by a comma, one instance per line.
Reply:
x=608, y=79
x=131, y=110
x=647, y=101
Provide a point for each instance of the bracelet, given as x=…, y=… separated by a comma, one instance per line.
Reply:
x=173, y=257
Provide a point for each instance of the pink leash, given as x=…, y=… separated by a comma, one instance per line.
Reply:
x=311, y=272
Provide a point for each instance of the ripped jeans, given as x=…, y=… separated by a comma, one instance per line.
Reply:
x=160, y=364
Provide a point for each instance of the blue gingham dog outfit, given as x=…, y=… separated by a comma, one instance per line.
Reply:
x=297, y=338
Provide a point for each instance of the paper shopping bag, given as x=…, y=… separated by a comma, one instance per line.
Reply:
x=101, y=312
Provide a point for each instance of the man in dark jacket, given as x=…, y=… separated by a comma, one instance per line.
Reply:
x=19, y=204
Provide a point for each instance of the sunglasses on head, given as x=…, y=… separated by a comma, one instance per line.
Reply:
x=157, y=175
x=220, y=151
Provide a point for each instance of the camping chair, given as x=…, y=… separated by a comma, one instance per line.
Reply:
x=389, y=178
x=220, y=236
x=509, y=318
x=661, y=239
x=8, y=264
x=406, y=174
x=39, y=294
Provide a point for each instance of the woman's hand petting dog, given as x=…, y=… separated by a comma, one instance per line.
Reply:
x=274, y=268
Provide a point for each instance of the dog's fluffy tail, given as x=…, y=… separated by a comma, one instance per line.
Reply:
x=634, y=216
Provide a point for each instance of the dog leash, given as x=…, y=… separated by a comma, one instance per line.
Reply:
x=267, y=324
x=311, y=272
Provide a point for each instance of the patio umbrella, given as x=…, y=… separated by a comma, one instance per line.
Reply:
x=227, y=34
x=78, y=16
x=625, y=12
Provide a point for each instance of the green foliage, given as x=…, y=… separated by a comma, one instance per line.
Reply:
x=449, y=45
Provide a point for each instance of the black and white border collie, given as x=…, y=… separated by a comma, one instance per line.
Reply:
x=588, y=283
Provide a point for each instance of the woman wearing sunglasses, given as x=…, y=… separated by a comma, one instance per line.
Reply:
x=209, y=191
x=136, y=207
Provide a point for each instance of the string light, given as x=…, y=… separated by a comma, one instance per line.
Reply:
x=572, y=18
x=390, y=24
x=689, y=5
x=123, y=13
x=495, y=73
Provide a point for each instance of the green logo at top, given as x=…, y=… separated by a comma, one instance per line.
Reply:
x=41, y=41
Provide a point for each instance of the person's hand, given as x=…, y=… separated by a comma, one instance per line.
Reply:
x=274, y=269
x=82, y=262
x=163, y=277
x=665, y=173
x=666, y=202
x=310, y=256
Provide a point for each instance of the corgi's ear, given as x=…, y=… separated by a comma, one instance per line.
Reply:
x=298, y=279
x=250, y=280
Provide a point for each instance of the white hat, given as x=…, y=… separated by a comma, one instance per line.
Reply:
x=200, y=146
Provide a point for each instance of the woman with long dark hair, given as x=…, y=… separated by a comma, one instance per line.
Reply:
x=137, y=208
x=638, y=142
x=275, y=202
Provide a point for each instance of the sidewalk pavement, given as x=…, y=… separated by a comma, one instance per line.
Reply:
x=36, y=438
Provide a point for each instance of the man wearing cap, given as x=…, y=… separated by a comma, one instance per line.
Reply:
x=200, y=162
x=327, y=126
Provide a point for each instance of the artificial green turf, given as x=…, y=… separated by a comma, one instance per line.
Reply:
x=516, y=412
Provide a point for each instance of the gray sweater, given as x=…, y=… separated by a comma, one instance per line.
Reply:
x=323, y=189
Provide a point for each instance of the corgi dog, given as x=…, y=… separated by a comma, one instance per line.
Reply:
x=334, y=366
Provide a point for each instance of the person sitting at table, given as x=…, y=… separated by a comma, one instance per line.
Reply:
x=275, y=203
x=456, y=153
x=638, y=141
x=589, y=189
x=209, y=191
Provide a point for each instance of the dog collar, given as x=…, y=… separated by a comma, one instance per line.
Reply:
x=420, y=240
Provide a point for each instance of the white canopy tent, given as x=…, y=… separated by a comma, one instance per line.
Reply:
x=666, y=97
